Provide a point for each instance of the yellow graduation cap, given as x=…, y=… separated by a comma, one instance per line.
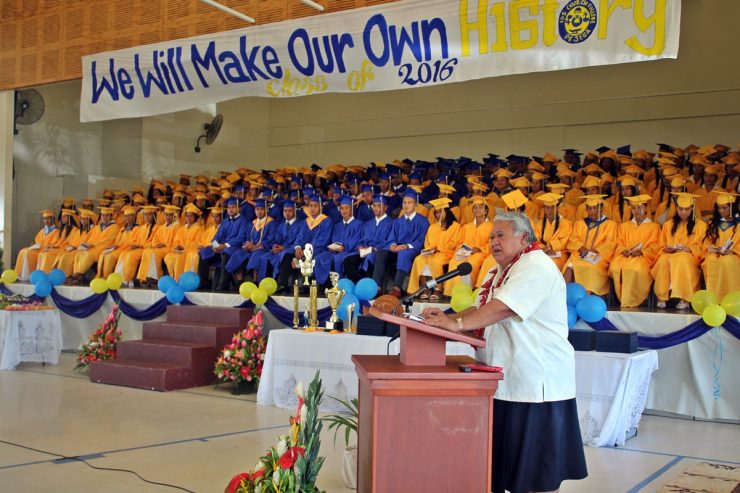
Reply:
x=505, y=173
x=172, y=209
x=633, y=169
x=521, y=182
x=684, y=199
x=591, y=181
x=706, y=150
x=713, y=169
x=565, y=172
x=444, y=188
x=69, y=212
x=669, y=171
x=593, y=168
x=678, y=181
x=47, y=213
x=129, y=211
x=514, y=200
x=480, y=187
x=549, y=158
x=88, y=213
x=233, y=177
x=150, y=208
x=68, y=201
x=628, y=181
x=607, y=178
x=417, y=188
x=725, y=197
x=106, y=210
x=139, y=199
x=559, y=188
x=537, y=176
x=192, y=208
x=535, y=166
x=549, y=198
x=216, y=211
x=440, y=204
x=478, y=200
x=595, y=199
x=639, y=199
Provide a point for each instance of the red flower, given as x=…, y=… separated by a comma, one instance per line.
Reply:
x=244, y=371
x=236, y=482
x=287, y=460
x=258, y=474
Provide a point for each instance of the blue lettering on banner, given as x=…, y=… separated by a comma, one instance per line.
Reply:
x=395, y=41
x=105, y=85
x=146, y=80
x=206, y=61
x=309, y=53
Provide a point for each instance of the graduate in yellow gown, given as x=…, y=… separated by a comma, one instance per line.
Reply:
x=707, y=192
x=66, y=258
x=592, y=186
x=445, y=192
x=101, y=237
x=150, y=267
x=572, y=196
x=47, y=237
x=127, y=236
x=513, y=201
x=667, y=209
x=620, y=211
x=591, y=247
x=128, y=262
x=439, y=247
x=531, y=209
x=206, y=238
x=475, y=235
x=466, y=203
x=635, y=254
x=676, y=272
x=553, y=231
x=568, y=211
x=67, y=230
x=187, y=241
x=721, y=264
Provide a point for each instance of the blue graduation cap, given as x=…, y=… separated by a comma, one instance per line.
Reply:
x=315, y=198
x=572, y=151
x=380, y=199
x=346, y=200
x=259, y=203
x=411, y=194
x=232, y=201
x=384, y=176
x=665, y=147
x=336, y=190
x=415, y=176
x=288, y=204
x=367, y=188
x=603, y=149
x=239, y=188
x=625, y=150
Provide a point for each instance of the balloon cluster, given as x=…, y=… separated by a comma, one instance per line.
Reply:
x=589, y=307
x=365, y=290
x=9, y=276
x=175, y=290
x=258, y=294
x=112, y=283
x=42, y=282
x=712, y=311
x=463, y=297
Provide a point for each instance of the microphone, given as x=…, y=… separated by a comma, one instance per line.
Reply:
x=462, y=270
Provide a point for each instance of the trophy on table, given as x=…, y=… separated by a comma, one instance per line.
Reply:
x=307, y=263
x=334, y=294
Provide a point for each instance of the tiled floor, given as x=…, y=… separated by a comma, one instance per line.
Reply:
x=199, y=438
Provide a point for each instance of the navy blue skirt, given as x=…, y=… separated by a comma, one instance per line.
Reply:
x=536, y=446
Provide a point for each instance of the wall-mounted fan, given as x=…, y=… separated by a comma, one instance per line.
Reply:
x=29, y=107
x=212, y=130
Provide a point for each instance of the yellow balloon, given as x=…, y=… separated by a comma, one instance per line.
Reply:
x=702, y=299
x=246, y=289
x=268, y=285
x=462, y=288
x=731, y=303
x=714, y=315
x=9, y=276
x=114, y=281
x=460, y=302
x=98, y=285
x=258, y=296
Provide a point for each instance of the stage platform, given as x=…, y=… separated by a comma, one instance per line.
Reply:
x=683, y=385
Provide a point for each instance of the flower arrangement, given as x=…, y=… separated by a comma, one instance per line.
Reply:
x=102, y=343
x=293, y=465
x=242, y=360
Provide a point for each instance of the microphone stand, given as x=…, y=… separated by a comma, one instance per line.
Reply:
x=408, y=300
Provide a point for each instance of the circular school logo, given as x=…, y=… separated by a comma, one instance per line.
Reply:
x=577, y=21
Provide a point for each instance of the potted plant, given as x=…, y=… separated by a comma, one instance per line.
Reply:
x=347, y=419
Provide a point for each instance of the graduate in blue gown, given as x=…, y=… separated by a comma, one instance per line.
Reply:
x=331, y=208
x=364, y=208
x=229, y=238
x=404, y=243
x=344, y=241
x=374, y=234
x=319, y=230
x=288, y=235
x=260, y=236
x=394, y=200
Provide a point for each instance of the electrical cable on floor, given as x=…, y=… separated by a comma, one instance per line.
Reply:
x=78, y=459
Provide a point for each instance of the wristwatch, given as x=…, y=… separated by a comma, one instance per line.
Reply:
x=460, y=324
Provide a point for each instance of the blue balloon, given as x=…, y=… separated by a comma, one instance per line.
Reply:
x=57, y=277
x=347, y=285
x=572, y=316
x=42, y=288
x=591, y=308
x=165, y=283
x=175, y=294
x=366, y=289
x=189, y=281
x=38, y=275
x=574, y=293
x=348, y=299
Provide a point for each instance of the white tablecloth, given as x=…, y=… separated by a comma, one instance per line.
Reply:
x=34, y=336
x=611, y=388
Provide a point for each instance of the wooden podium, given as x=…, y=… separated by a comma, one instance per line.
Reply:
x=424, y=425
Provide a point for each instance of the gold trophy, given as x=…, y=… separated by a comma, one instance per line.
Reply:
x=313, y=317
x=307, y=263
x=296, y=318
x=334, y=294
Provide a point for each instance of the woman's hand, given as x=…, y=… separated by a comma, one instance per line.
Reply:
x=437, y=318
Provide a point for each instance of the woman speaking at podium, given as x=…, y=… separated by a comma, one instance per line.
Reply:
x=522, y=313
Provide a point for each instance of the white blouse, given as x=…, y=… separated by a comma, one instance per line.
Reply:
x=532, y=346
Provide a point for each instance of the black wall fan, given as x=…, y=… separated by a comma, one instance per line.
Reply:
x=29, y=107
x=212, y=130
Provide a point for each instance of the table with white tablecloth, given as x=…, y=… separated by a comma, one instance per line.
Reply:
x=31, y=336
x=611, y=388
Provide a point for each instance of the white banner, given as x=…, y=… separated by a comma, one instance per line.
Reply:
x=412, y=43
